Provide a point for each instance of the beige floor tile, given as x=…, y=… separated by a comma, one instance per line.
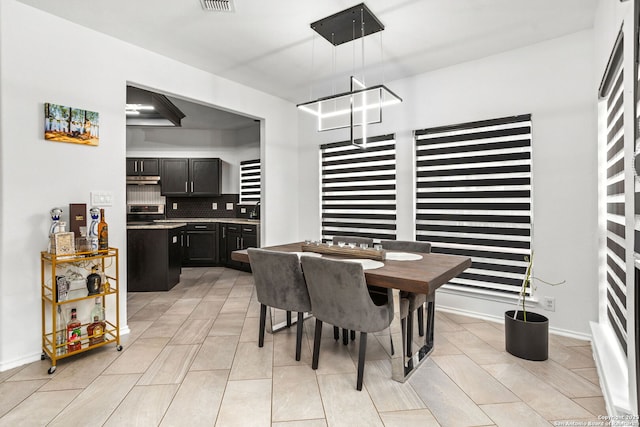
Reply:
x=563, y=379
x=595, y=405
x=375, y=350
x=415, y=418
x=487, y=333
x=457, y=318
x=137, y=358
x=241, y=291
x=80, y=370
x=250, y=331
x=97, y=401
x=589, y=373
x=481, y=387
x=35, y=371
x=571, y=357
x=296, y=395
x=235, y=306
x=492, y=357
x=152, y=311
x=510, y=414
x=252, y=362
x=14, y=392
x=235, y=409
x=136, y=329
x=198, y=399
x=254, y=308
x=446, y=401
x=215, y=353
x=344, y=405
x=193, y=331
x=5, y=375
x=442, y=346
x=567, y=341
x=217, y=293
x=334, y=357
x=143, y=406
x=227, y=324
x=166, y=326
x=540, y=396
x=170, y=366
x=389, y=395
x=284, y=348
x=468, y=342
x=39, y=408
x=183, y=307
x=207, y=310
x=303, y=423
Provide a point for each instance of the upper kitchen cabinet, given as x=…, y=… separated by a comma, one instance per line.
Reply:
x=143, y=167
x=190, y=177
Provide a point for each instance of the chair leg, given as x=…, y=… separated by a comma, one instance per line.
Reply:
x=391, y=342
x=345, y=336
x=336, y=333
x=403, y=333
x=409, y=333
x=361, y=354
x=317, y=336
x=299, y=335
x=421, y=320
x=288, y=319
x=263, y=317
x=352, y=335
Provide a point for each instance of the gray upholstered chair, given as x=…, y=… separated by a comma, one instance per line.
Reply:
x=353, y=239
x=415, y=301
x=339, y=296
x=279, y=284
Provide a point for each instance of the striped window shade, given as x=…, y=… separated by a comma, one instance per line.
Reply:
x=473, y=198
x=359, y=189
x=250, y=181
x=611, y=91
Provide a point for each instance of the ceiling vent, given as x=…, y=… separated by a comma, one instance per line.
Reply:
x=218, y=5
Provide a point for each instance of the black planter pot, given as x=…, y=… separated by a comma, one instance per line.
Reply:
x=527, y=340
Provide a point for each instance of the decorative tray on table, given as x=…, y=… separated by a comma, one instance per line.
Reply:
x=323, y=248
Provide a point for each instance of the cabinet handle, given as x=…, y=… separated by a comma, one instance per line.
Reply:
x=187, y=240
x=182, y=240
x=192, y=186
x=135, y=166
x=248, y=229
x=199, y=226
x=238, y=242
x=141, y=165
x=242, y=243
x=186, y=189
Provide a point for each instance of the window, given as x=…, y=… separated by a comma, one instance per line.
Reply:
x=611, y=91
x=474, y=198
x=250, y=181
x=359, y=189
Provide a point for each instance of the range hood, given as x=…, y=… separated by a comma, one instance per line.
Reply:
x=142, y=180
x=146, y=108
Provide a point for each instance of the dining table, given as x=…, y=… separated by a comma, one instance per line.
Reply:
x=421, y=273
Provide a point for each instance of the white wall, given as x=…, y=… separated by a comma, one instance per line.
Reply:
x=556, y=83
x=36, y=175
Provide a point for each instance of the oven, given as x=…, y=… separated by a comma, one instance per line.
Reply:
x=144, y=213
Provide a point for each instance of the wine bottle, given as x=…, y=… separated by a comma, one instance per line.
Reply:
x=96, y=329
x=103, y=232
x=74, y=332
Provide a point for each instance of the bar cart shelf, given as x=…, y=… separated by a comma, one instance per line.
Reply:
x=54, y=337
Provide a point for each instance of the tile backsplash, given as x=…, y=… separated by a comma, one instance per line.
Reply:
x=202, y=207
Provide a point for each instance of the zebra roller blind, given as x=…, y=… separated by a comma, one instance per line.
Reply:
x=250, y=181
x=611, y=90
x=474, y=198
x=359, y=189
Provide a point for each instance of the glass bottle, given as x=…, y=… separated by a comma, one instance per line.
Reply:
x=103, y=232
x=94, y=281
x=61, y=347
x=74, y=332
x=96, y=329
x=93, y=229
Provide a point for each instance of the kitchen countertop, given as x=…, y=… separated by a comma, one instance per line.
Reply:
x=227, y=220
x=156, y=226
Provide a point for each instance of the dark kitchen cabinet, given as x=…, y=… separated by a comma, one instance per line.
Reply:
x=143, y=167
x=235, y=237
x=153, y=259
x=200, y=245
x=190, y=177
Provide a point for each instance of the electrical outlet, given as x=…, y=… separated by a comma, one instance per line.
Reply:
x=214, y=206
x=229, y=206
x=175, y=206
x=243, y=210
x=549, y=303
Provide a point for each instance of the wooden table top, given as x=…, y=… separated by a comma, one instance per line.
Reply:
x=422, y=276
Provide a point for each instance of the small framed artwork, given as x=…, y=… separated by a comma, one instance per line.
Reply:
x=65, y=243
x=67, y=124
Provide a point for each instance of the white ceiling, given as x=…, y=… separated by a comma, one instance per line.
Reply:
x=269, y=45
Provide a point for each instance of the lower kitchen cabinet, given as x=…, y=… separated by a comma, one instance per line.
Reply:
x=235, y=237
x=200, y=245
x=153, y=259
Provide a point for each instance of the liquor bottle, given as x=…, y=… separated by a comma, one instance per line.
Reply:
x=61, y=347
x=96, y=329
x=94, y=281
x=74, y=332
x=103, y=233
x=93, y=229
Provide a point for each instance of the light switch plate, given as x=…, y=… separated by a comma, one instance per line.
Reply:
x=101, y=198
x=214, y=206
x=175, y=206
x=229, y=206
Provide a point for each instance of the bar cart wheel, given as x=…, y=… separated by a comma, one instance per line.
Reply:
x=51, y=370
x=119, y=347
x=43, y=356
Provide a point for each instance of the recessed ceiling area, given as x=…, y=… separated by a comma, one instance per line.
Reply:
x=270, y=45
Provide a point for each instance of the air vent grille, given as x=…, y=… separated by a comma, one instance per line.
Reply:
x=218, y=5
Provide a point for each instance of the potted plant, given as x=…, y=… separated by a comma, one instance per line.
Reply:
x=526, y=333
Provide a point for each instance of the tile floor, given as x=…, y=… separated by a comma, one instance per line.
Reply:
x=192, y=359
